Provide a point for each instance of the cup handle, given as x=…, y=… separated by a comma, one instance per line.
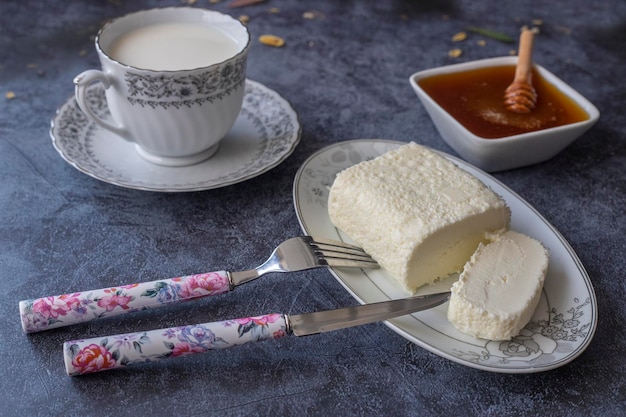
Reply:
x=81, y=82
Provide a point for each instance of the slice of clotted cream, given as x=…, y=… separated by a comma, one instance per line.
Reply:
x=499, y=288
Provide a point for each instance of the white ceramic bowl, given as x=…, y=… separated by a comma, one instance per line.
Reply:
x=509, y=152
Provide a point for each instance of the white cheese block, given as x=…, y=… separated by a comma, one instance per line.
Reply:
x=499, y=288
x=415, y=212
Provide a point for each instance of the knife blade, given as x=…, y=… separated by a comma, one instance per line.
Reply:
x=109, y=352
x=324, y=321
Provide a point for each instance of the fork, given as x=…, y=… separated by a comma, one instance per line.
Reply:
x=295, y=254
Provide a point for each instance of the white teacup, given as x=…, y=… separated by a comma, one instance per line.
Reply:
x=174, y=80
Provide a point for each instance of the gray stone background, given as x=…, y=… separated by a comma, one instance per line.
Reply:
x=346, y=74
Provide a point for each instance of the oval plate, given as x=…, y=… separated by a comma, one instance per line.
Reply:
x=563, y=323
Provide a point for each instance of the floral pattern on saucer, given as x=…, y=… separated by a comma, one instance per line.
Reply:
x=264, y=135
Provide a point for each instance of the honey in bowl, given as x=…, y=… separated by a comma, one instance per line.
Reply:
x=474, y=99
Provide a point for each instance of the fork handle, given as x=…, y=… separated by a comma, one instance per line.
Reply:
x=110, y=352
x=67, y=309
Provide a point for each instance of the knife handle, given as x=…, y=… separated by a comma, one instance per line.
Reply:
x=67, y=309
x=110, y=352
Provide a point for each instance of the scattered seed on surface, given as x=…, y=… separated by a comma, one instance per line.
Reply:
x=482, y=42
x=537, y=22
x=244, y=19
x=455, y=53
x=272, y=40
x=10, y=95
x=461, y=36
x=274, y=10
x=82, y=52
x=313, y=14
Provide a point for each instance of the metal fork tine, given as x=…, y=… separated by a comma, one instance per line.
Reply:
x=337, y=248
x=338, y=252
x=333, y=253
x=336, y=244
x=352, y=263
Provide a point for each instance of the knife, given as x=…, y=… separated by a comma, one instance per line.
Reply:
x=109, y=352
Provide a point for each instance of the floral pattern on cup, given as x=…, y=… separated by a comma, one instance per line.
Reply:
x=62, y=310
x=100, y=354
x=178, y=91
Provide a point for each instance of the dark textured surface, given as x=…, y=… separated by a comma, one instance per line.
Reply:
x=346, y=74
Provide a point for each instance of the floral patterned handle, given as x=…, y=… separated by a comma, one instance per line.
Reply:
x=110, y=352
x=63, y=310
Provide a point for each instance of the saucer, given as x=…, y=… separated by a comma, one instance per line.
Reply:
x=264, y=135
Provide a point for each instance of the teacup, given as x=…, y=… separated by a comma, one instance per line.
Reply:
x=174, y=81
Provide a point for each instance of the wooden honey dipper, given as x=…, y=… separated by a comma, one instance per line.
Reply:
x=520, y=96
